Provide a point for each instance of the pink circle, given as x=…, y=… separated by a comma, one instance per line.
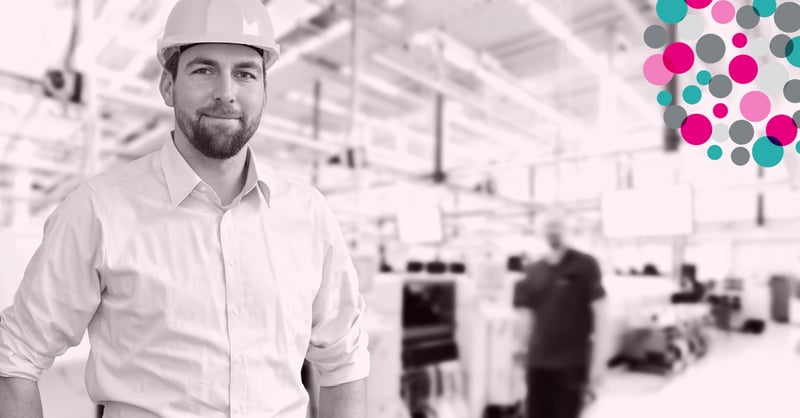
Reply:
x=655, y=72
x=743, y=69
x=696, y=129
x=755, y=106
x=740, y=40
x=698, y=4
x=678, y=57
x=720, y=110
x=723, y=11
x=782, y=128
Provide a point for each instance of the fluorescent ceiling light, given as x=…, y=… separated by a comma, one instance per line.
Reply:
x=329, y=35
x=374, y=82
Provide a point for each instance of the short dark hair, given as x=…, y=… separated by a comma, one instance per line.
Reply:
x=171, y=66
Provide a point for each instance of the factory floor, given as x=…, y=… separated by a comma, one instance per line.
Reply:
x=745, y=376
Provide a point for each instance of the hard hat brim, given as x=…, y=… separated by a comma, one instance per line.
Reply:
x=169, y=46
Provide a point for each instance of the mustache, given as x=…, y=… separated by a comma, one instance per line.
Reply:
x=220, y=110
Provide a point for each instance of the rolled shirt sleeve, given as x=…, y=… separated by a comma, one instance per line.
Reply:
x=60, y=290
x=338, y=347
x=595, y=282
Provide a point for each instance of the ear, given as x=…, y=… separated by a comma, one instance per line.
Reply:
x=166, y=87
x=266, y=93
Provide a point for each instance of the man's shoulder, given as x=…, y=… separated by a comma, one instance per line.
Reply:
x=282, y=185
x=138, y=171
x=582, y=257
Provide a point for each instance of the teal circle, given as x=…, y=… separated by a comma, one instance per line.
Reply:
x=797, y=147
x=765, y=8
x=704, y=77
x=692, y=94
x=715, y=152
x=766, y=153
x=793, y=51
x=671, y=11
x=664, y=98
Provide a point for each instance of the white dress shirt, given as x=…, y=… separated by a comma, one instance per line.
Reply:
x=193, y=309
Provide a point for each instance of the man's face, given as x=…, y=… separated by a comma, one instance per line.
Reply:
x=554, y=233
x=218, y=95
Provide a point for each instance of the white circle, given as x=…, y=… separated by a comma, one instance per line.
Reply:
x=759, y=47
x=720, y=132
x=691, y=27
x=772, y=77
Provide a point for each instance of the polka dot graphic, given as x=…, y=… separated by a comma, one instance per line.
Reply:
x=723, y=12
x=787, y=17
x=698, y=4
x=772, y=77
x=743, y=69
x=720, y=132
x=740, y=40
x=720, y=110
x=715, y=152
x=748, y=80
x=793, y=51
x=765, y=8
x=710, y=48
x=703, y=78
x=671, y=11
x=758, y=47
x=755, y=106
x=747, y=18
x=678, y=58
x=655, y=37
x=791, y=91
x=766, y=153
x=691, y=27
x=720, y=86
x=741, y=132
x=740, y=156
x=674, y=116
x=664, y=98
x=696, y=129
x=782, y=130
x=655, y=72
x=692, y=95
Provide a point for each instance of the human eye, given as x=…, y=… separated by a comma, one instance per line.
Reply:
x=246, y=75
x=203, y=71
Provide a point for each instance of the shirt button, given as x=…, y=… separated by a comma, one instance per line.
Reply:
x=203, y=189
x=237, y=409
x=235, y=311
x=232, y=262
x=239, y=360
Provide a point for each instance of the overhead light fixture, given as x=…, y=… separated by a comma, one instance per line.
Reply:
x=374, y=82
x=330, y=34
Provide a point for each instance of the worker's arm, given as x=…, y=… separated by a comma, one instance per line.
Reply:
x=601, y=338
x=58, y=296
x=19, y=398
x=338, y=347
x=348, y=400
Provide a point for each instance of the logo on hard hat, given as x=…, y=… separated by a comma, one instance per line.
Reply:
x=738, y=86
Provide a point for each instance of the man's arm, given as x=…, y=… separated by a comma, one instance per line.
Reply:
x=601, y=339
x=19, y=398
x=343, y=401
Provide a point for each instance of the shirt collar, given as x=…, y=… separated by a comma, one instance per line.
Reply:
x=181, y=178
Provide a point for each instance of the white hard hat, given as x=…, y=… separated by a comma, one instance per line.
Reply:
x=244, y=22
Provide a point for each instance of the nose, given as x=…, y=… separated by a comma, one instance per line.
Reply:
x=224, y=90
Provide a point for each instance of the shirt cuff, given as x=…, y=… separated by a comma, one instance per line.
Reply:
x=355, y=367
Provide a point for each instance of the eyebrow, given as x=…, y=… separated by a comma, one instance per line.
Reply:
x=211, y=63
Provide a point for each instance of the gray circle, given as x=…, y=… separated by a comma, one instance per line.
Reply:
x=720, y=132
x=742, y=132
x=772, y=77
x=787, y=17
x=740, y=156
x=778, y=45
x=691, y=27
x=759, y=47
x=710, y=48
x=720, y=86
x=674, y=116
x=747, y=17
x=792, y=91
x=655, y=36
x=796, y=117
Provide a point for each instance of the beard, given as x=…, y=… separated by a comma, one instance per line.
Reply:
x=217, y=139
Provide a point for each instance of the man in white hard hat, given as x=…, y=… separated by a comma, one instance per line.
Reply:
x=568, y=347
x=204, y=279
